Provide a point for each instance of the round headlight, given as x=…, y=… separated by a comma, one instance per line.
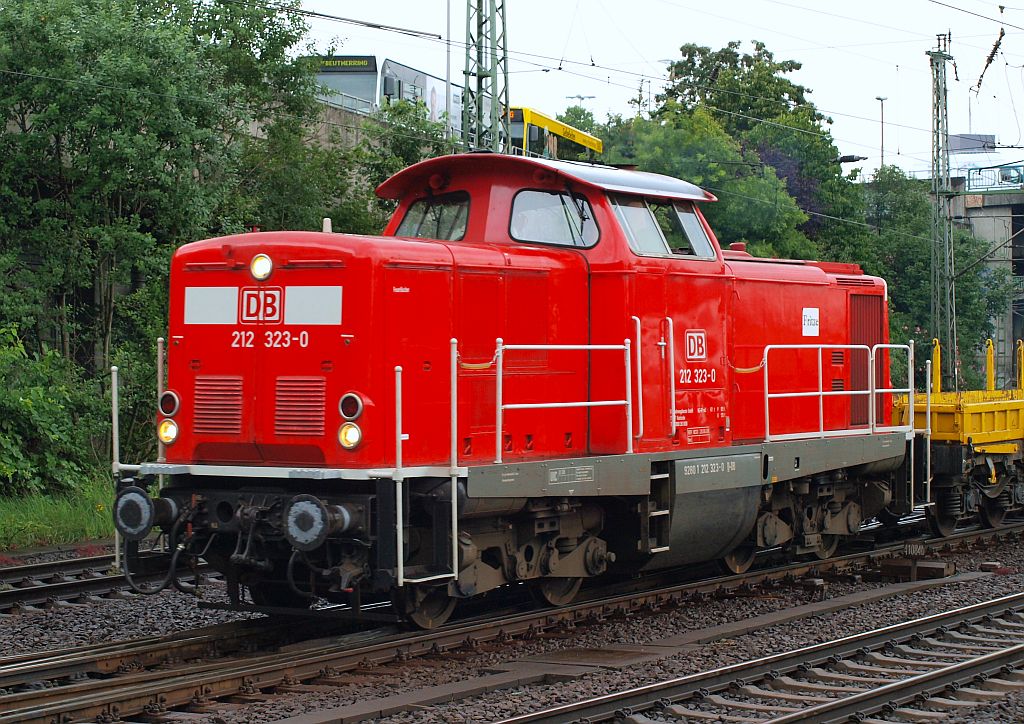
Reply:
x=261, y=266
x=350, y=406
x=167, y=431
x=349, y=435
x=169, y=404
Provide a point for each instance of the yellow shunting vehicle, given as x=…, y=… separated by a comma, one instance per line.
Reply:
x=970, y=458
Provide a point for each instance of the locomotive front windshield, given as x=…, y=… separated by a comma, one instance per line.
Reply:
x=437, y=217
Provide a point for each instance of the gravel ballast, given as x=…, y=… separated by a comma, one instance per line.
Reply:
x=172, y=611
x=642, y=629
x=107, y=620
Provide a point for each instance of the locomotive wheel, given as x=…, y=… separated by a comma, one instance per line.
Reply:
x=739, y=560
x=992, y=513
x=827, y=547
x=942, y=525
x=425, y=607
x=554, y=591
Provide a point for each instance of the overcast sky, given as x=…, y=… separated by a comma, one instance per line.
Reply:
x=851, y=53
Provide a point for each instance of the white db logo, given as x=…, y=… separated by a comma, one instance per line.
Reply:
x=696, y=345
x=261, y=305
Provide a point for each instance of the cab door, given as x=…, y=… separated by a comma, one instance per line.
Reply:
x=651, y=363
x=697, y=294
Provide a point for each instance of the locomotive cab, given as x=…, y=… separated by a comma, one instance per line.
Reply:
x=540, y=371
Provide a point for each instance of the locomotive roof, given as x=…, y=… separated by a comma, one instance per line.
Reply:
x=609, y=178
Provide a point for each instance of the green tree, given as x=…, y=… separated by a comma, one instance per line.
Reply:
x=577, y=117
x=757, y=103
x=128, y=128
x=109, y=151
x=397, y=136
x=47, y=420
x=902, y=208
x=740, y=88
x=753, y=205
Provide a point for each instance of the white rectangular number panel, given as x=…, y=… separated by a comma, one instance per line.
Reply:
x=312, y=305
x=211, y=305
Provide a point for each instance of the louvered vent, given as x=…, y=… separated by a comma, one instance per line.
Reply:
x=855, y=281
x=218, y=401
x=838, y=384
x=299, y=406
x=838, y=356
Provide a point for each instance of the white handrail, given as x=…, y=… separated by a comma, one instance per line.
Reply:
x=872, y=391
x=820, y=393
x=500, y=406
x=399, y=477
x=908, y=390
x=673, y=425
x=639, y=381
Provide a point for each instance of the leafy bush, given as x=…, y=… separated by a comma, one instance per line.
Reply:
x=48, y=419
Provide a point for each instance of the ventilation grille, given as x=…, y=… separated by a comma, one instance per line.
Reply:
x=855, y=282
x=838, y=356
x=299, y=406
x=218, y=405
x=838, y=384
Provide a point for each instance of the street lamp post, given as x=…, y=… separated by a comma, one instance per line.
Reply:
x=881, y=101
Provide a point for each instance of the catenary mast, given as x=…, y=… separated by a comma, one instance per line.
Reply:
x=485, y=101
x=943, y=297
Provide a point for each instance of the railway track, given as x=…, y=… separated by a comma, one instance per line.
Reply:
x=235, y=665
x=921, y=670
x=30, y=586
x=27, y=587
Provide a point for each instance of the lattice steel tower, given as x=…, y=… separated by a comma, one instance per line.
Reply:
x=943, y=307
x=485, y=101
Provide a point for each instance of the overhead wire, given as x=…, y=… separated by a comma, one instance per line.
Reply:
x=819, y=214
x=1013, y=103
x=108, y=86
x=348, y=21
x=562, y=62
x=185, y=96
x=431, y=37
x=977, y=15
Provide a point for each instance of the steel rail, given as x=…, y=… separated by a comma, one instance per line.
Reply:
x=133, y=693
x=14, y=574
x=73, y=582
x=620, y=705
x=108, y=658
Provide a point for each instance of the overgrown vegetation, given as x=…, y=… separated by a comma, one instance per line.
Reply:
x=128, y=128
x=65, y=517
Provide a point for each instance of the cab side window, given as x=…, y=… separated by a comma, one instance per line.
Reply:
x=553, y=217
x=682, y=229
x=661, y=227
x=642, y=229
x=436, y=217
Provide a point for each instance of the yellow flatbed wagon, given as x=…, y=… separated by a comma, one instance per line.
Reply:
x=971, y=466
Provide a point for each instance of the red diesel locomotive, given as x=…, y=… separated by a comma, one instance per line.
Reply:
x=539, y=372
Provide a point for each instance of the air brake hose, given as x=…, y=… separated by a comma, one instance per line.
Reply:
x=290, y=575
x=190, y=588
x=171, y=569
